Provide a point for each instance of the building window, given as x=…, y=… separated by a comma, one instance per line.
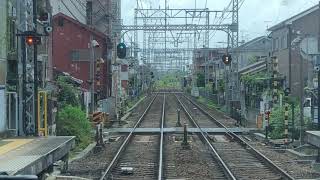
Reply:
x=285, y=40
x=82, y=55
x=276, y=44
x=12, y=34
x=60, y=22
x=75, y=55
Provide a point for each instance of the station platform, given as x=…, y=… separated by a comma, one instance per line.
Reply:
x=313, y=138
x=32, y=155
x=178, y=130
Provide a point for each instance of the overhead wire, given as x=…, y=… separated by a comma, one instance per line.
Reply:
x=70, y=11
x=81, y=12
x=222, y=19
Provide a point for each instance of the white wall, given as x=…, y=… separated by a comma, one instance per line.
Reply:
x=3, y=64
x=3, y=122
x=71, y=8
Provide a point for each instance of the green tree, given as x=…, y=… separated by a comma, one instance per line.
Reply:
x=72, y=121
x=68, y=93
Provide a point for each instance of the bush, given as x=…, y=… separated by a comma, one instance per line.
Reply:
x=72, y=121
x=277, y=122
x=68, y=93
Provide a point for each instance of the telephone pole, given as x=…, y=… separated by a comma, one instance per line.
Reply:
x=91, y=46
x=35, y=70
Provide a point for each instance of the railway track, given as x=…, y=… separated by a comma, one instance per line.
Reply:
x=136, y=114
x=240, y=158
x=195, y=162
x=225, y=120
x=141, y=153
x=161, y=156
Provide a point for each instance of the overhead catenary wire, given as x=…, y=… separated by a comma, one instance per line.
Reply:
x=80, y=12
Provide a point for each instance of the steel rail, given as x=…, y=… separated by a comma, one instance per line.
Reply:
x=161, y=139
x=244, y=143
x=126, y=141
x=224, y=165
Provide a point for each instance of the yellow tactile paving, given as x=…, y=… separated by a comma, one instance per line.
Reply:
x=13, y=144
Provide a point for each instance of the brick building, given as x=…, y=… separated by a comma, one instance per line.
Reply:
x=71, y=53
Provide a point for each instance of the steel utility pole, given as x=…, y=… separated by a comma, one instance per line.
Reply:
x=35, y=70
x=91, y=71
x=165, y=34
x=301, y=98
x=318, y=101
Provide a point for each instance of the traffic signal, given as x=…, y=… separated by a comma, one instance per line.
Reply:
x=151, y=74
x=121, y=50
x=33, y=40
x=227, y=59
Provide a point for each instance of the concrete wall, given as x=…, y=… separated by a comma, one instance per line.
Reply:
x=3, y=63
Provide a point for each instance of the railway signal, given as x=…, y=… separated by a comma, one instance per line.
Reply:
x=33, y=40
x=227, y=59
x=121, y=50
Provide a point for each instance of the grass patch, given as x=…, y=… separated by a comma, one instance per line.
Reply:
x=211, y=104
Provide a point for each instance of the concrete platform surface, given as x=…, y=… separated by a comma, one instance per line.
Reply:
x=176, y=130
x=313, y=138
x=32, y=155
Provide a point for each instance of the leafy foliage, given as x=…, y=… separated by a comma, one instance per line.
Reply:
x=277, y=121
x=72, y=121
x=257, y=78
x=68, y=94
x=169, y=81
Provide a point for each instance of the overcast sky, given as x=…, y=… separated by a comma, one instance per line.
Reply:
x=254, y=17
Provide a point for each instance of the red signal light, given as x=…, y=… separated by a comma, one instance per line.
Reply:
x=32, y=40
x=29, y=40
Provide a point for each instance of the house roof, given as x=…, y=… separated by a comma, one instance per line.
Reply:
x=252, y=42
x=293, y=18
x=92, y=30
x=255, y=67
